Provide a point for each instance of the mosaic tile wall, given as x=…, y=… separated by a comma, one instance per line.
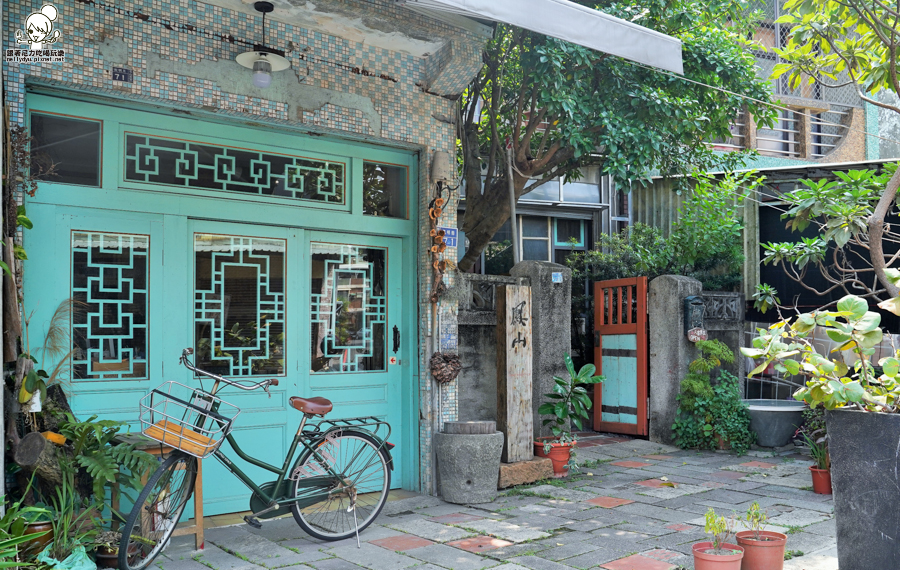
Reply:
x=164, y=41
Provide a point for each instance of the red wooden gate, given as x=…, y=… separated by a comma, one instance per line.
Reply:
x=621, y=341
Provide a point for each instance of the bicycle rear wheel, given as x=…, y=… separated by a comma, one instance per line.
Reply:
x=156, y=512
x=362, y=463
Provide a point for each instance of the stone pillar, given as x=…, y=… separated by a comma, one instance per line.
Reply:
x=551, y=311
x=670, y=350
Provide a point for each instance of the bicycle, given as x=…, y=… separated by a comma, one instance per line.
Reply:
x=344, y=467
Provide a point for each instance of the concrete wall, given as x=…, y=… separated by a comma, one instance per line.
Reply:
x=670, y=350
x=478, y=344
x=551, y=310
x=725, y=322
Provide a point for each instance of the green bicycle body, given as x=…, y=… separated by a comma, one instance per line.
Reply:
x=278, y=491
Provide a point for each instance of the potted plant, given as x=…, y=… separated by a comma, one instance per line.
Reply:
x=717, y=554
x=72, y=526
x=763, y=549
x=106, y=549
x=569, y=401
x=861, y=416
x=16, y=536
x=821, y=471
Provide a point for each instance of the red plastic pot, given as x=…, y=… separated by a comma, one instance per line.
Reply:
x=559, y=455
x=765, y=554
x=821, y=481
x=708, y=561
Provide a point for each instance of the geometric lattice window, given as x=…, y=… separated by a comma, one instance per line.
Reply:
x=349, y=308
x=109, y=320
x=174, y=162
x=239, y=304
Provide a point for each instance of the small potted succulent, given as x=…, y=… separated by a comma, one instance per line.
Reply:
x=763, y=549
x=569, y=401
x=717, y=554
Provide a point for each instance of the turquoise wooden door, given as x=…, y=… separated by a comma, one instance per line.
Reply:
x=357, y=344
x=109, y=269
x=243, y=309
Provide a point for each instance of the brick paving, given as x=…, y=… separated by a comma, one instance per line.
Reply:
x=635, y=505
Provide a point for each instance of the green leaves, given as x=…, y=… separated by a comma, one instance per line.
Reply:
x=830, y=382
x=569, y=400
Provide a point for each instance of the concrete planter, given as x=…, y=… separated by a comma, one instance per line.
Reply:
x=775, y=421
x=468, y=465
x=865, y=475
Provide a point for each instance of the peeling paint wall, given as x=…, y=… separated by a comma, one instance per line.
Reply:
x=376, y=83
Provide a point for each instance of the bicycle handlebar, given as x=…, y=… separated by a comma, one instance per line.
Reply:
x=190, y=366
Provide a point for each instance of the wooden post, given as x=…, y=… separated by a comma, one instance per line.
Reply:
x=514, y=413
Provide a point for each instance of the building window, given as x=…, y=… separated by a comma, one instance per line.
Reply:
x=569, y=232
x=64, y=149
x=384, y=190
x=109, y=289
x=174, y=162
x=498, y=254
x=535, y=238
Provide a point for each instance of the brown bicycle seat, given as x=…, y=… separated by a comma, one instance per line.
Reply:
x=314, y=406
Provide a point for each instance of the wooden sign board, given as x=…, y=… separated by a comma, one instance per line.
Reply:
x=514, y=413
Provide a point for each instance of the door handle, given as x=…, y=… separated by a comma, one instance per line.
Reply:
x=396, y=339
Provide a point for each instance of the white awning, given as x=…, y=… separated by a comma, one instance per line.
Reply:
x=573, y=23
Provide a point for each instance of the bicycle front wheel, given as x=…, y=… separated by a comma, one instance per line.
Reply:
x=156, y=512
x=362, y=463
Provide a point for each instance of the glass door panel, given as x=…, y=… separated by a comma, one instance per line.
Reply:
x=357, y=352
x=348, y=308
x=239, y=304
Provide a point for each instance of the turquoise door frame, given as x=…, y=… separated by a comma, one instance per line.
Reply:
x=170, y=216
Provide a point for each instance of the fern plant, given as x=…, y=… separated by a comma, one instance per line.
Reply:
x=93, y=450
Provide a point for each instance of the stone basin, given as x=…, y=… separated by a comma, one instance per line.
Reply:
x=775, y=421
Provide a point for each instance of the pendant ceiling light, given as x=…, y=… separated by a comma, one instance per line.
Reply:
x=263, y=60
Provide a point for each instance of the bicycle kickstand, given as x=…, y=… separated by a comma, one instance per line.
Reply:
x=352, y=507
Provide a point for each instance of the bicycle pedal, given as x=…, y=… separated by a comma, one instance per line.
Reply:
x=252, y=522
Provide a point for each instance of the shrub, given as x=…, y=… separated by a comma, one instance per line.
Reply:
x=707, y=410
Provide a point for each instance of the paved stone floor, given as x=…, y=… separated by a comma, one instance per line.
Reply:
x=636, y=505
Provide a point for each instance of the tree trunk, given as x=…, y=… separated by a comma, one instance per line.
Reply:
x=55, y=408
x=11, y=322
x=876, y=233
x=37, y=455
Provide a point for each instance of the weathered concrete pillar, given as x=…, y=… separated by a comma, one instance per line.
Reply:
x=670, y=350
x=551, y=311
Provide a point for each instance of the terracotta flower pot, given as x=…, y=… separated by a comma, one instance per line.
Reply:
x=821, y=481
x=765, y=554
x=707, y=561
x=36, y=545
x=723, y=443
x=559, y=455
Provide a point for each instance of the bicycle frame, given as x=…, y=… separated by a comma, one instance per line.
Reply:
x=310, y=439
x=300, y=438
